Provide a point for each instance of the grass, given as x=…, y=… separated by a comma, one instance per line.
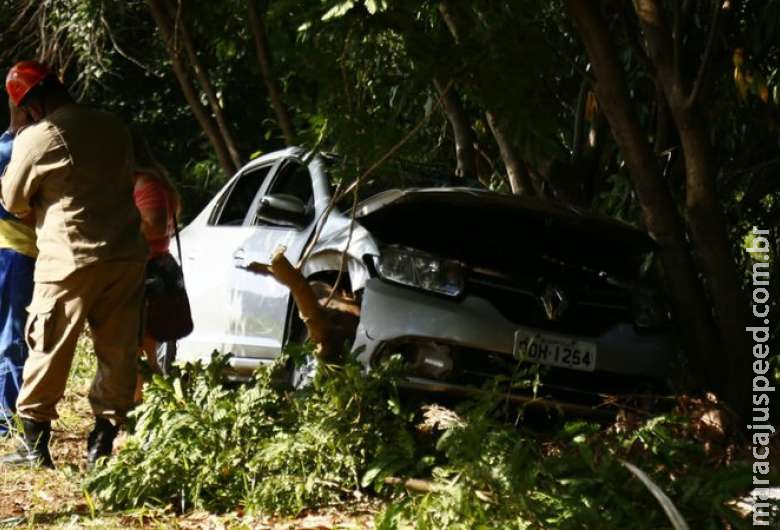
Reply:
x=55, y=499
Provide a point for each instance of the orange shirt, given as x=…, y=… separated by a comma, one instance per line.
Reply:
x=152, y=197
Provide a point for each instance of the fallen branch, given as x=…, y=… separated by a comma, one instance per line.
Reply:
x=329, y=327
x=414, y=484
x=427, y=486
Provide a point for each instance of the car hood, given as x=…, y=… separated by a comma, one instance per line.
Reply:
x=484, y=228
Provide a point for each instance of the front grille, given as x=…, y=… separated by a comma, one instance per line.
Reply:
x=592, y=305
x=480, y=369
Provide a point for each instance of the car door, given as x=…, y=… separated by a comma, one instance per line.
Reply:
x=208, y=257
x=259, y=327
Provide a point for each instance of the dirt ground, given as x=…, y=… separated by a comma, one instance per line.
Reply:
x=55, y=498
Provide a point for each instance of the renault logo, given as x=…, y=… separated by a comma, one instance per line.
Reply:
x=554, y=302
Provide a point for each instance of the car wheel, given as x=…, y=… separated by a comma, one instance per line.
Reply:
x=302, y=376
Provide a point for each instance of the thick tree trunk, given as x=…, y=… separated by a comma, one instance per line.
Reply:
x=658, y=208
x=181, y=30
x=461, y=129
x=257, y=24
x=207, y=125
x=706, y=218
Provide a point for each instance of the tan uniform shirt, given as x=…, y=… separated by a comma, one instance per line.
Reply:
x=74, y=169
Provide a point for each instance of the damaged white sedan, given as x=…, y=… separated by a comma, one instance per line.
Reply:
x=465, y=283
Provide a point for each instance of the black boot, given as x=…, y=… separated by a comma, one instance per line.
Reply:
x=33, y=449
x=100, y=441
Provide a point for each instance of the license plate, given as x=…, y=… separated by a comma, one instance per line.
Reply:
x=555, y=350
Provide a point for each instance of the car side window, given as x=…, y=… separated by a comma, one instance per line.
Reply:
x=294, y=179
x=238, y=200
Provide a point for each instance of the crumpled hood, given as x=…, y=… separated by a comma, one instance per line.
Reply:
x=484, y=228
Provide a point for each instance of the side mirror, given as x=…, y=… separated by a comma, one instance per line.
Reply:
x=283, y=210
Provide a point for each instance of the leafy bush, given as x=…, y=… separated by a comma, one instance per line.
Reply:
x=497, y=476
x=201, y=444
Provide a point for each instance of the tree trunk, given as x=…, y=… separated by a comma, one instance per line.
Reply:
x=257, y=24
x=181, y=30
x=208, y=126
x=461, y=129
x=517, y=173
x=706, y=218
x=658, y=208
x=663, y=121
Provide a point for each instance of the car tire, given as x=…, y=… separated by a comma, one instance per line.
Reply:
x=302, y=376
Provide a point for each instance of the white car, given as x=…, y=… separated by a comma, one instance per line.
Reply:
x=464, y=282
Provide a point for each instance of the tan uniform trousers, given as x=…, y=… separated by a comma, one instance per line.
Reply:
x=107, y=296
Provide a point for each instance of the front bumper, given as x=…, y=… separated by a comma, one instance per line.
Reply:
x=391, y=313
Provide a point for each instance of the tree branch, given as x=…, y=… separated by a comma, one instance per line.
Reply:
x=678, y=42
x=516, y=172
x=461, y=128
x=705, y=60
x=446, y=12
x=272, y=85
x=328, y=328
x=205, y=83
x=660, y=47
x=164, y=24
x=632, y=35
x=659, y=210
x=578, y=136
x=122, y=52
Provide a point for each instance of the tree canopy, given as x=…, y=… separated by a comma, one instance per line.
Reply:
x=664, y=114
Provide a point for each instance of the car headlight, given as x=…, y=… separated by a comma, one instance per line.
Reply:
x=650, y=311
x=419, y=269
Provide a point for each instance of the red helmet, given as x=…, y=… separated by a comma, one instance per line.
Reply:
x=23, y=77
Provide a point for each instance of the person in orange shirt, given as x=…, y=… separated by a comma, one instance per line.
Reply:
x=159, y=204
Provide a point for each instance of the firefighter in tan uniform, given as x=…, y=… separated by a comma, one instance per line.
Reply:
x=73, y=168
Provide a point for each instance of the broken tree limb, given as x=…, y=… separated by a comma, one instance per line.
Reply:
x=414, y=484
x=427, y=486
x=329, y=328
x=312, y=314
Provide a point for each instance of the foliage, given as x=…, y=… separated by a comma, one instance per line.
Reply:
x=357, y=77
x=204, y=444
x=496, y=477
x=200, y=443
